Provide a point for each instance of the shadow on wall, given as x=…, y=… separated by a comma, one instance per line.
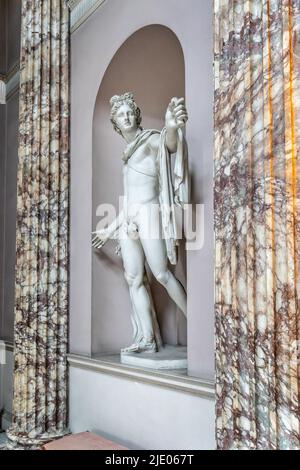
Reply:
x=151, y=65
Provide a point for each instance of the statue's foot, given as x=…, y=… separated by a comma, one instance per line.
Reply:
x=148, y=346
x=145, y=345
x=133, y=348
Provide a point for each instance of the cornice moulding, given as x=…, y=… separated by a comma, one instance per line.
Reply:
x=81, y=10
x=13, y=84
x=12, y=80
x=73, y=3
x=12, y=71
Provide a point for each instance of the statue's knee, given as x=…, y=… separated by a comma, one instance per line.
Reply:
x=163, y=277
x=129, y=278
x=133, y=280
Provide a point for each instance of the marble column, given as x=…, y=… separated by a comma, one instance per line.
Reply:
x=41, y=285
x=257, y=223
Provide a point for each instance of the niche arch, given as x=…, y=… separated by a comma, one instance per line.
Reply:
x=150, y=63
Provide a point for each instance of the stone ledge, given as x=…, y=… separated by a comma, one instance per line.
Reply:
x=175, y=380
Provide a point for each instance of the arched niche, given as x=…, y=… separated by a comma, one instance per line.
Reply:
x=150, y=63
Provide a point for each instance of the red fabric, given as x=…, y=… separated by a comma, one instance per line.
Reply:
x=83, y=441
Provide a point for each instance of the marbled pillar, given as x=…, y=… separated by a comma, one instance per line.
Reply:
x=257, y=223
x=41, y=294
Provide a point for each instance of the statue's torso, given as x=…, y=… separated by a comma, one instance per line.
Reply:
x=140, y=175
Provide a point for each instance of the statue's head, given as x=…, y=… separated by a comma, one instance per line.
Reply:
x=125, y=114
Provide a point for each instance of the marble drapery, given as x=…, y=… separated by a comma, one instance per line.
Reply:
x=257, y=223
x=41, y=298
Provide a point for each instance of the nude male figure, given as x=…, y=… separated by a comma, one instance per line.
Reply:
x=142, y=188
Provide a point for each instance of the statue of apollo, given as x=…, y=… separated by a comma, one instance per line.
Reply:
x=146, y=227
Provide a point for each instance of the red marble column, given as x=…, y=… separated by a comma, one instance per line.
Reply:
x=257, y=202
x=42, y=259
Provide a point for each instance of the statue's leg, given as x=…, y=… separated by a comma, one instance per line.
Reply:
x=134, y=266
x=156, y=256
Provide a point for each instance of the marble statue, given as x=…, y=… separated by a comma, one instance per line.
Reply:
x=151, y=182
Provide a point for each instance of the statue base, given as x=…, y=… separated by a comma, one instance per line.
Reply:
x=168, y=357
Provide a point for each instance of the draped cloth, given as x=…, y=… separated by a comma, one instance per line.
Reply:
x=140, y=140
x=257, y=221
x=42, y=259
x=173, y=191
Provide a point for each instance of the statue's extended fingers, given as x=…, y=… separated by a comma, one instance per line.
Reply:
x=175, y=102
x=96, y=233
x=180, y=112
x=179, y=101
x=181, y=119
x=178, y=107
x=172, y=105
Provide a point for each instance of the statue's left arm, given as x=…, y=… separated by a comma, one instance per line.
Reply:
x=173, y=176
x=176, y=117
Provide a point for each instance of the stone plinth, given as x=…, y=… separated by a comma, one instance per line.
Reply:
x=169, y=357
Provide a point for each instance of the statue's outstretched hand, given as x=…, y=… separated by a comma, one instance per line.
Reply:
x=99, y=238
x=176, y=115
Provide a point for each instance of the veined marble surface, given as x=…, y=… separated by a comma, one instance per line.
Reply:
x=257, y=220
x=41, y=300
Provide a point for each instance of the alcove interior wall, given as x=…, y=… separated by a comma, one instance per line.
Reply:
x=150, y=63
x=94, y=44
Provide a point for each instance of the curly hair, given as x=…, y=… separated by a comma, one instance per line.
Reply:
x=117, y=101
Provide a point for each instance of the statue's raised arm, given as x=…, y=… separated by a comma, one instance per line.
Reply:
x=176, y=118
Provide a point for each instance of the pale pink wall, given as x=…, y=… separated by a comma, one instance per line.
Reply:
x=13, y=32
x=2, y=37
x=9, y=115
x=2, y=155
x=2, y=209
x=10, y=29
x=93, y=46
x=9, y=245
x=138, y=66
